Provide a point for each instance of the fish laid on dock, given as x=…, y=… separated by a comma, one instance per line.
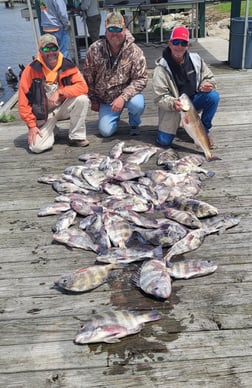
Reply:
x=154, y=279
x=85, y=279
x=110, y=326
x=131, y=254
x=190, y=242
x=189, y=268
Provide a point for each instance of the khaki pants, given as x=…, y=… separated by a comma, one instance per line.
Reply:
x=74, y=109
x=168, y=121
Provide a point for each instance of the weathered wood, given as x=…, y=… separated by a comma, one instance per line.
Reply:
x=204, y=336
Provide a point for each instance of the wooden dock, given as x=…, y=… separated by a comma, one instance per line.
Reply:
x=204, y=337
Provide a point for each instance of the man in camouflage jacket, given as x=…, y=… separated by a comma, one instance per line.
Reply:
x=116, y=73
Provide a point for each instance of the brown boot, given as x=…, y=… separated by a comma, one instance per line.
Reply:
x=78, y=143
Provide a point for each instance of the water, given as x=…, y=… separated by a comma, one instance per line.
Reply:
x=17, y=44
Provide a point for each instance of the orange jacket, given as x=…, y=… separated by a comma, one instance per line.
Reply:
x=32, y=100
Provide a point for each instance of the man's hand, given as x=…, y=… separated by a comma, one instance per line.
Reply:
x=178, y=106
x=206, y=87
x=95, y=106
x=118, y=104
x=33, y=132
x=54, y=100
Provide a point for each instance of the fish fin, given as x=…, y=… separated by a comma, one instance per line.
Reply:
x=111, y=340
x=135, y=278
x=210, y=173
x=213, y=158
x=158, y=252
x=154, y=315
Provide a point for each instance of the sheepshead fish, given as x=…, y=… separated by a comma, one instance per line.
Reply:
x=67, y=187
x=142, y=156
x=190, y=242
x=75, y=238
x=181, y=166
x=64, y=220
x=166, y=235
x=190, y=268
x=74, y=170
x=130, y=254
x=112, y=325
x=201, y=209
x=85, y=279
x=49, y=179
x=113, y=189
x=129, y=149
x=154, y=279
x=54, y=208
x=183, y=217
x=129, y=171
x=192, y=124
x=117, y=150
x=118, y=229
x=84, y=208
x=138, y=219
x=167, y=156
x=220, y=223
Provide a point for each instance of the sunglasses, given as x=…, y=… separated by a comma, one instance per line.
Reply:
x=114, y=29
x=48, y=49
x=176, y=42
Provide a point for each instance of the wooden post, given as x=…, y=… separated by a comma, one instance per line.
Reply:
x=202, y=19
x=235, y=8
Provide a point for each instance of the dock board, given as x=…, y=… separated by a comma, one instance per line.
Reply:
x=205, y=333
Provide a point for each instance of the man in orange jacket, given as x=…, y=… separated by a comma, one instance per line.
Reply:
x=52, y=88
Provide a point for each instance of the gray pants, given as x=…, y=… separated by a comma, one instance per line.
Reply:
x=74, y=109
x=93, y=25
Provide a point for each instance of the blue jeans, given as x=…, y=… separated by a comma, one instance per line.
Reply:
x=108, y=120
x=208, y=103
x=205, y=102
x=62, y=37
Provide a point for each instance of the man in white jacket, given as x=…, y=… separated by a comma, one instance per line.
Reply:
x=92, y=17
x=177, y=72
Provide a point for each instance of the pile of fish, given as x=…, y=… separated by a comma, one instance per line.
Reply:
x=124, y=213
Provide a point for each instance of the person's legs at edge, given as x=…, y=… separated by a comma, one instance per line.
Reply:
x=47, y=140
x=76, y=109
x=108, y=120
x=208, y=103
x=168, y=122
x=63, y=39
x=135, y=108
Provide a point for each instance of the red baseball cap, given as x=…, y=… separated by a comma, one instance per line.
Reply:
x=180, y=33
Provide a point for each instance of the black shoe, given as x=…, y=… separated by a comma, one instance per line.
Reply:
x=134, y=131
x=78, y=143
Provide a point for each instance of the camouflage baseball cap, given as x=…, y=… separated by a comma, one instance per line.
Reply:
x=114, y=19
x=47, y=39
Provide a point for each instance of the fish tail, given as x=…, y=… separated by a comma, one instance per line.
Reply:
x=135, y=279
x=158, y=252
x=212, y=157
x=210, y=173
x=119, y=265
x=154, y=315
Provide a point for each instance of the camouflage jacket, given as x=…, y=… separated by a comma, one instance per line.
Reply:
x=108, y=79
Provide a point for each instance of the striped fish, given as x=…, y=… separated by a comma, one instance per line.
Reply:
x=154, y=279
x=190, y=268
x=85, y=279
x=112, y=325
